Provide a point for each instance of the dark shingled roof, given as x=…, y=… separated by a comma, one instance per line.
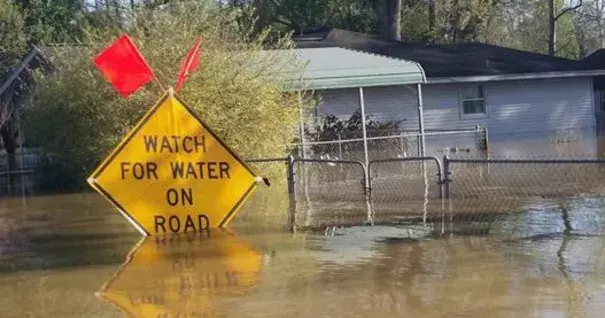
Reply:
x=443, y=60
x=595, y=61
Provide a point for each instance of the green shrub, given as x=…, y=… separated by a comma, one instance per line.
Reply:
x=78, y=118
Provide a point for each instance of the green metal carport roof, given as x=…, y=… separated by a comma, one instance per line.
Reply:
x=334, y=67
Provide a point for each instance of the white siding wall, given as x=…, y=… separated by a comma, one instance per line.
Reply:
x=534, y=109
x=540, y=105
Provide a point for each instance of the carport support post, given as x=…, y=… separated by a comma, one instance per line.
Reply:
x=421, y=122
x=365, y=137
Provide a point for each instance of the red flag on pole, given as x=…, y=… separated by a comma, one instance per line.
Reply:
x=123, y=66
x=190, y=64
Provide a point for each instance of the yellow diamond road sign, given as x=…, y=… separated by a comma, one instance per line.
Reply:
x=172, y=174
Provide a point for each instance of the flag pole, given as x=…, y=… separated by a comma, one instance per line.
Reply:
x=157, y=81
x=190, y=63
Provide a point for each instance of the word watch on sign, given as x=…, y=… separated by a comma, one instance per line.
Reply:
x=171, y=173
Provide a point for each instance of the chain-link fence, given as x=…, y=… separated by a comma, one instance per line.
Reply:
x=19, y=180
x=551, y=144
x=329, y=192
x=269, y=204
x=308, y=193
x=501, y=178
x=504, y=185
x=470, y=195
x=405, y=188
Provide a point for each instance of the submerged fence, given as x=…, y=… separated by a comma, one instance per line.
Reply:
x=326, y=192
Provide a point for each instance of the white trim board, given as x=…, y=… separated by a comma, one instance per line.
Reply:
x=508, y=77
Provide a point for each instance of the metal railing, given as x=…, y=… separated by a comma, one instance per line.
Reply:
x=363, y=182
x=412, y=159
x=290, y=161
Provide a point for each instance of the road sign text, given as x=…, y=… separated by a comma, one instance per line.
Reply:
x=174, y=144
x=177, y=224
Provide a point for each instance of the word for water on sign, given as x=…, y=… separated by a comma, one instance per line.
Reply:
x=172, y=174
x=178, y=169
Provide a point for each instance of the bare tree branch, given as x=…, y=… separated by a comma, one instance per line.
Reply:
x=568, y=9
x=284, y=22
x=566, y=45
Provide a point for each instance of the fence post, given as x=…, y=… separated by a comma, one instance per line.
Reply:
x=291, y=181
x=486, y=146
x=439, y=181
x=291, y=194
x=340, y=150
x=486, y=139
x=367, y=182
x=446, y=176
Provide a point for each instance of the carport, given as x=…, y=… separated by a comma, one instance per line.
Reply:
x=337, y=68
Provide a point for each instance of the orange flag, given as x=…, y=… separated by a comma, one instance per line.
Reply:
x=190, y=64
x=123, y=66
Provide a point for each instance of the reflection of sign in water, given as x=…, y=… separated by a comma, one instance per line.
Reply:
x=184, y=276
x=172, y=174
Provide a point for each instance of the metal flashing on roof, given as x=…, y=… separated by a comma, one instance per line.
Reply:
x=509, y=77
x=334, y=67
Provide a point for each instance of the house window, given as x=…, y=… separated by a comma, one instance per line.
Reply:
x=472, y=100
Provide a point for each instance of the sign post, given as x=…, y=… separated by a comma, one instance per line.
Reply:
x=172, y=174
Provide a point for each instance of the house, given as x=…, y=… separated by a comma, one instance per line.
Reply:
x=531, y=104
x=595, y=61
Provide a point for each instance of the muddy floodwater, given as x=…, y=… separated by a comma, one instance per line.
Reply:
x=75, y=256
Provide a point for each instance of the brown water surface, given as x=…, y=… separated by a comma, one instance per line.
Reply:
x=76, y=256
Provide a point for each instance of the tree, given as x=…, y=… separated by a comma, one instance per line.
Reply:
x=13, y=44
x=462, y=20
x=523, y=25
x=389, y=17
x=555, y=12
x=12, y=37
x=589, y=24
x=77, y=117
x=49, y=21
x=414, y=25
x=302, y=15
